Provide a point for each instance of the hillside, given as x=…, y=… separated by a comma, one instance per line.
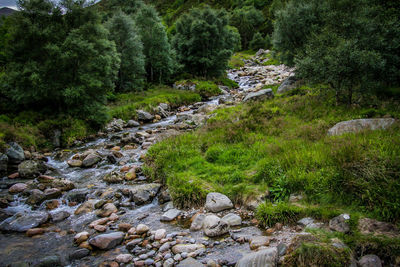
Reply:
x=6, y=11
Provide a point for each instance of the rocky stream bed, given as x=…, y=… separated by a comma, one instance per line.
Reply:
x=92, y=205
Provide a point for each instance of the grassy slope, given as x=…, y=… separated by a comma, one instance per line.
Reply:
x=280, y=146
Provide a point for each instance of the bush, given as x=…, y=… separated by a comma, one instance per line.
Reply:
x=207, y=89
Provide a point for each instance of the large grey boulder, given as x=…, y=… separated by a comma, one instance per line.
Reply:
x=3, y=163
x=31, y=168
x=91, y=160
x=217, y=202
x=145, y=193
x=190, y=262
x=15, y=153
x=232, y=219
x=24, y=221
x=263, y=258
x=259, y=96
x=214, y=226
x=354, y=126
x=197, y=223
x=116, y=125
x=287, y=85
x=340, y=223
x=107, y=241
x=170, y=215
x=144, y=116
x=370, y=261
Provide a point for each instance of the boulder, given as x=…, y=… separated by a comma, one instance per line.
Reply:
x=114, y=177
x=217, y=202
x=15, y=153
x=49, y=261
x=141, y=229
x=214, y=226
x=79, y=254
x=370, y=261
x=259, y=241
x=123, y=258
x=132, y=123
x=232, y=219
x=160, y=234
x=17, y=188
x=91, y=160
x=181, y=248
x=190, y=262
x=36, y=197
x=170, y=215
x=31, y=168
x=85, y=207
x=23, y=221
x=340, y=223
x=59, y=216
x=354, y=126
x=144, y=193
x=74, y=163
x=107, y=241
x=263, y=258
x=3, y=163
x=116, y=125
x=259, y=96
x=287, y=85
x=144, y=116
x=197, y=223
x=107, y=210
x=305, y=221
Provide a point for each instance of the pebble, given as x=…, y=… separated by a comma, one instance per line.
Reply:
x=178, y=257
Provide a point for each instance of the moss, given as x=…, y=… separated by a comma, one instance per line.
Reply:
x=237, y=60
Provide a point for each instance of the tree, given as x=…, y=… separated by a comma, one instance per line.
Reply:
x=204, y=42
x=60, y=60
x=246, y=20
x=258, y=42
x=159, y=63
x=131, y=72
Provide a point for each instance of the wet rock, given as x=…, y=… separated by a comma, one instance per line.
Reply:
x=124, y=227
x=15, y=153
x=232, y=219
x=91, y=160
x=263, y=258
x=107, y=241
x=217, y=202
x=142, y=194
x=306, y=221
x=114, y=177
x=61, y=184
x=21, y=222
x=142, y=228
x=74, y=163
x=52, y=204
x=354, y=126
x=81, y=237
x=36, y=197
x=259, y=96
x=107, y=210
x=259, y=241
x=85, y=207
x=78, y=195
x=170, y=215
x=371, y=226
x=132, y=123
x=124, y=258
x=287, y=85
x=169, y=263
x=190, y=262
x=59, y=216
x=52, y=193
x=116, y=125
x=17, y=188
x=144, y=116
x=160, y=234
x=35, y=231
x=197, y=223
x=180, y=248
x=214, y=226
x=164, y=197
x=370, y=261
x=79, y=254
x=3, y=163
x=49, y=261
x=31, y=168
x=340, y=223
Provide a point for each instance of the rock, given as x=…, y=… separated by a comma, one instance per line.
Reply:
x=305, y=221
x=164, y=197
x=340, y=223
x=52, y=193
x=15, y=153
x=85, y=207
x=144, y=193
x=74, y=163
x=114, y=177
x=79, y=254
x=107, y=241
x=144, y=116
x=169, y=263
x=259, y=241
x=22, y=222
x=354, y=126
x=3, y=163
x=259, y=96
x=197, y=223
x=263, y=258
x=124, y=258
x=49, y=261
x=78, y=195
x=31, y=169
x=217, y=202
x=36, y=197
x=190, y=262
x=370, y=261
x=91, y=160
x=160, y=234
x=282, y=248
x=142, y=228
x=59, y=216
x=116, y=125
x=35, y=231
x=214, y=226
x=52, y=204
x=124, y=227
x=17, y=188
x=287, y=85
x=81, y=237
x=170, y=215
x=132, y=123
x=180, y=248
x=232, y=219
x=107, y=210
x=370, y=226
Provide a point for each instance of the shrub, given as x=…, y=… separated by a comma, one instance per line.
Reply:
x=207, y=89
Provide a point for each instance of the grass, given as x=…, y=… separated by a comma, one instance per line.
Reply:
x=281, y=147
x=237, y=60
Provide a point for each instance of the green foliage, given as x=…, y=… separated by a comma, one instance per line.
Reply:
x=197, y=49
x=258, y=42
x=281, y=212
x=207, y=89
x=129, y=46
x=159, y=57
x=237, y=59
